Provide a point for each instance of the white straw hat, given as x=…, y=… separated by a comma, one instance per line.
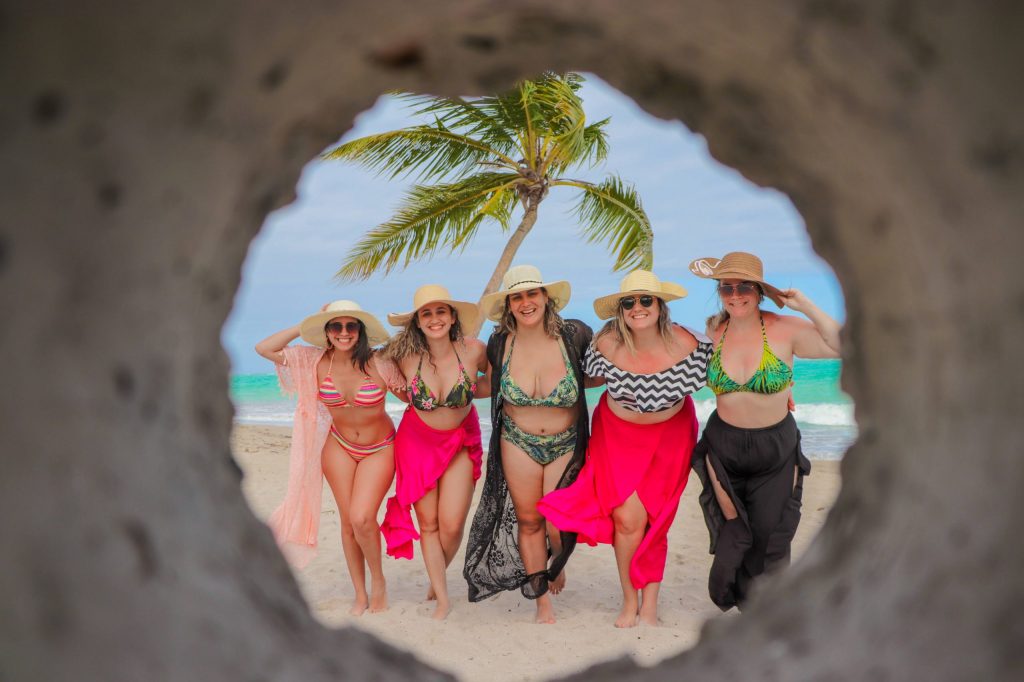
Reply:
x=524, y=278
x=311, y=329
x=637, y=283
x=435, y=293
x=736, y=265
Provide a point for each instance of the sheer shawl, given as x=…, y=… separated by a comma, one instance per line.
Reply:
x=493, y=563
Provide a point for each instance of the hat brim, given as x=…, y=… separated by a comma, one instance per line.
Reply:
x=701, y=268
x=311, y=329
x=468, y=312
x=493, y=305
x=606, y=306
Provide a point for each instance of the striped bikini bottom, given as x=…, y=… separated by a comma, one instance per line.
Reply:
x=360, y=452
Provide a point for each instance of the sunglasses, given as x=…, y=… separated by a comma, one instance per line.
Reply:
x=338, y=327
x=742, y=289
x=646, y=301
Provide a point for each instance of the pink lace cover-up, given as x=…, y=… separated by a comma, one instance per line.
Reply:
x=652, y=460
x=422, y=455
x=296, y=522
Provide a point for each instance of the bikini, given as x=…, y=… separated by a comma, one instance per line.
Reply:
x=423, y=398
x=368, y=395
x=772, y=375
x=546, y=448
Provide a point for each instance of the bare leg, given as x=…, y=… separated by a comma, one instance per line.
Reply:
x=433, y=555
x=728, y=508
x=649, y=604
x=525, y=479
x=340, y=470
x=630, y=523
x=552, y=475
x=455, y=490
x=373, y=478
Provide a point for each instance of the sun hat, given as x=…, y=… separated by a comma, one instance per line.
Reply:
x=311, y=329
x=435, y=293
x=736, y=265
x=523, y=278
x=637, y=283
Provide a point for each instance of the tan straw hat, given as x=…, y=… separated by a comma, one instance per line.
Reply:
x=435, y=293
x=524, y=278
x=637, y=283
x=736, y=265
x=311, y=329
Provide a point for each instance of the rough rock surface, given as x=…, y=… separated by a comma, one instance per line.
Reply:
x=144, y=143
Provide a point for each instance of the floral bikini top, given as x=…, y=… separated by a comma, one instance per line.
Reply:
x=368, y=395
x=423, y=398
x=565, y=393
x=772, y=375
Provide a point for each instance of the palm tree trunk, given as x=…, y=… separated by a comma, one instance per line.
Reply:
x=525, y=225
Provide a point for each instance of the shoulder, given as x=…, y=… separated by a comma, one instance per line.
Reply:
x=474, y=348
x=685, y=334
x=606, y=344
x=785, y=324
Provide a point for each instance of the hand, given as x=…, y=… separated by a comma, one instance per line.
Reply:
x=790, y=405
x=794, y=299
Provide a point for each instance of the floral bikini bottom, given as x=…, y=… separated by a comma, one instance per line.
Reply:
x=542, y=449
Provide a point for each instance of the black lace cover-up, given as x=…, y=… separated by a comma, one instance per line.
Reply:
x=493, y=563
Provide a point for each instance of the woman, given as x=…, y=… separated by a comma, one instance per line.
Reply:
x=342, y=432
x=538, y=439
x=642, y=434
x=437, y=450
x=749, y=457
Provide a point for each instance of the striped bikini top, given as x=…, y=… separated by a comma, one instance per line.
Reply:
x=772, y=375
x=368, y=395
x=652, y=392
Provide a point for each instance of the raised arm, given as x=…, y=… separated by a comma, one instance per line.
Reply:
x=820, y=338
x=392, y=375
x=271, y=347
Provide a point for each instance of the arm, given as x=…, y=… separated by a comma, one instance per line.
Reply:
x=820, y=338
x=392, y=375
x=271, y=347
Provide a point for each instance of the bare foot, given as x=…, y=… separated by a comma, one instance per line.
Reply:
x=442, y=610
x=545, y=611
x=558, y=584
x=359, y=605
x=378, y=597
x=649, y=617
x=627, y=617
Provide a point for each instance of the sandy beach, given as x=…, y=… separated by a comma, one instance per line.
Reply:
x=496, y=639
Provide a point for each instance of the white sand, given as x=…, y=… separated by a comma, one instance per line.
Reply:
x=497, y=639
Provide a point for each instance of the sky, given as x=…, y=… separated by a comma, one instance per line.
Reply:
x=697, y=208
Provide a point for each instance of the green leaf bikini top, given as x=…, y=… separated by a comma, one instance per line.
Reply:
x=423, y=398
x=772, y=375
x=565, y=393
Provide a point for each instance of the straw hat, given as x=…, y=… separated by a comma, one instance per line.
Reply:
x=637, y=283
x=736, y=265
x=523, y=278
x=311, y=329
x=435, y=293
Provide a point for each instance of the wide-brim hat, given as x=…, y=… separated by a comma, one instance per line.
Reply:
x=311, y=329
x=736, y=265
x=524, y=278
x=637, y=283
x=435, y=293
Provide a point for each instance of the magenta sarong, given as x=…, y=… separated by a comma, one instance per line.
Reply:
x=652, y=460
x=422, y=454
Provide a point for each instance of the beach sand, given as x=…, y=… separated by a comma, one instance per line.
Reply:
x=497, y=639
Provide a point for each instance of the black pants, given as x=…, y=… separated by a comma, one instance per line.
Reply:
x=756, y=469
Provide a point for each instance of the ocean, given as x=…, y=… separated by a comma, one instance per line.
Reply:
x=823, y=412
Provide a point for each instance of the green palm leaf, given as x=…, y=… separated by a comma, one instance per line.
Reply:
x=611, y=212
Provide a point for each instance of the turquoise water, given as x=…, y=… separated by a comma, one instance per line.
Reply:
x=824, y=412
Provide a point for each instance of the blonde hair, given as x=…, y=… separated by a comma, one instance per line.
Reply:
x=553, y=322
x=412, y=341
x=624, y=335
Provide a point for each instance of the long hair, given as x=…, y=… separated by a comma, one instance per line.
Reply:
x=722, y=315
x=362, y=353
x=618, y=328
x=553, y=322
x=412, y=341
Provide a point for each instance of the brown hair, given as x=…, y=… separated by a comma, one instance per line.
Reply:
x=624, y=335
x=362, y=353
x=553, y=322
x=412, y=341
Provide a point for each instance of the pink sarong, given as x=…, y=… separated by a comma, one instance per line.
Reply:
x=422, y=454
x=652, y=460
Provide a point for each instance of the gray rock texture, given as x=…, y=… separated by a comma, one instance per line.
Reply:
x=144, y=143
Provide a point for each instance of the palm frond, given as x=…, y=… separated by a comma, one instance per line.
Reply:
x=473, y=118
x=433, y=218
x=611, y=212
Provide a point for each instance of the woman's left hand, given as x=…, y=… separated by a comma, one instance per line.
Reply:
x=795, y=300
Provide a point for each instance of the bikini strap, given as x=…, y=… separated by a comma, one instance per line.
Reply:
x=764, y=332
x=330, y=366
x=508, y=359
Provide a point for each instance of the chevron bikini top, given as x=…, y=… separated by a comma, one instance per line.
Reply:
x=369, y=392
x=772, y=375
x=652, y=392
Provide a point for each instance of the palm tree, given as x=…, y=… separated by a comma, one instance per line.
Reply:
x=484, y=156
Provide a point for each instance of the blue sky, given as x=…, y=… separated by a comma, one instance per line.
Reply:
x=697, y=208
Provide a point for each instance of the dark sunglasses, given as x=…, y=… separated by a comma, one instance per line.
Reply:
x=338, y=327
x=627, y=303
x=743, y=288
